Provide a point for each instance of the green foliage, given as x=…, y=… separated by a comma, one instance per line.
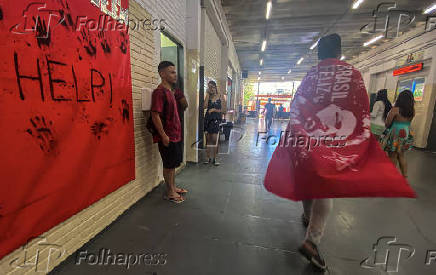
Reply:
x=249, y=92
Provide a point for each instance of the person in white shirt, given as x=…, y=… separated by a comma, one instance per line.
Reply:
x=382, y=107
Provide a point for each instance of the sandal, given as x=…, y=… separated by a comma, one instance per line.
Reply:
x=182, y=191
x=315, y=259
x=176, y=200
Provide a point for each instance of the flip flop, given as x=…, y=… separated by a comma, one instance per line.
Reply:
x=176, y=200
x=182, y=191
x=315, y=259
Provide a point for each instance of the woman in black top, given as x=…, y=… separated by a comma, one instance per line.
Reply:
x=216, y=107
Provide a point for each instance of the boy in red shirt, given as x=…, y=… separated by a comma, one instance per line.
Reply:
x=165, y=116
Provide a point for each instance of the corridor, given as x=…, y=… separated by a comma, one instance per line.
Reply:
x=231, y=225
x=101, y=100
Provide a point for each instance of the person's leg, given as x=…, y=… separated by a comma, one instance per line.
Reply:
x=393, y=156
x=171, y=159
x=211, y=145
x=207, y=148
x=318, y=219
x=403, y=163
x=178, y=157
x=307, y=206
x=214, y=141
x=321, y=209
x=172, y=195
x=169, y=175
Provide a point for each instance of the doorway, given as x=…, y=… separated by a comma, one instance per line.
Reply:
x=172, y=51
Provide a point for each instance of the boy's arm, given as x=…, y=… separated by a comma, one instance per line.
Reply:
x=181, y=99
x=159, y=127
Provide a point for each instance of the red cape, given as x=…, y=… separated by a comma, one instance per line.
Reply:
x=328, y=150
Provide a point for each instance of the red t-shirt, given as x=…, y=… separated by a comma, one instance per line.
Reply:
x=164, y=102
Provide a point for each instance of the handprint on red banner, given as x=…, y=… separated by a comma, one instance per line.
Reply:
x=100, y=128
x=104, y=42
x=88, y=42
x=126, y=111
x=123, y=42
x=42, y=132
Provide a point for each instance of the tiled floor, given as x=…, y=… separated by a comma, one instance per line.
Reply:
x=231, y=225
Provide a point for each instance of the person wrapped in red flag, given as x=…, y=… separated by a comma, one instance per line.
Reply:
x=327, y=150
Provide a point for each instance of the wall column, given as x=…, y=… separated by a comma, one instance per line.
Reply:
x=193, y=36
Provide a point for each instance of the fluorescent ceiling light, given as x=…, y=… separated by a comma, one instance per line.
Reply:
x=261, y=62
x=314, y=45
x=290, y=71
x=260, y=73
x=343, y=57
x=263, y=45
x=372, y=41
x=430, y=9
x=299, y=61
x=268, y=10
x=258, y=78
x=357, y=3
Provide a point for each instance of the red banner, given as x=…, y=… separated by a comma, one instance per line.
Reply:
x=328, y=150
x=66, y=118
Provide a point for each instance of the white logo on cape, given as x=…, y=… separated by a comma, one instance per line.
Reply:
x=335, y=120
x=343, y=161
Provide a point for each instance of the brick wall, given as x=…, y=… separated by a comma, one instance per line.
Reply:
x=212, y=54
x=174, y=14
x=79, y=229
x=172, y=11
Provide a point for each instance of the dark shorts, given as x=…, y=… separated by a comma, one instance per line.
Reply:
x=172, y=156
x=212, y=126
x=212, y=123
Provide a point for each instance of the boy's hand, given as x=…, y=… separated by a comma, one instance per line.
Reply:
x=165, y=140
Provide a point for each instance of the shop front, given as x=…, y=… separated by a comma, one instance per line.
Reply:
x=414, y=72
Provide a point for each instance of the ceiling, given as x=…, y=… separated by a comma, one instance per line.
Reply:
x=295, y=25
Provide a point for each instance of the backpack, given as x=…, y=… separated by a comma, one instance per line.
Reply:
x=150, y=124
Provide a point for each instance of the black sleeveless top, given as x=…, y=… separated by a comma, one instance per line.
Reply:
x=214, y=105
